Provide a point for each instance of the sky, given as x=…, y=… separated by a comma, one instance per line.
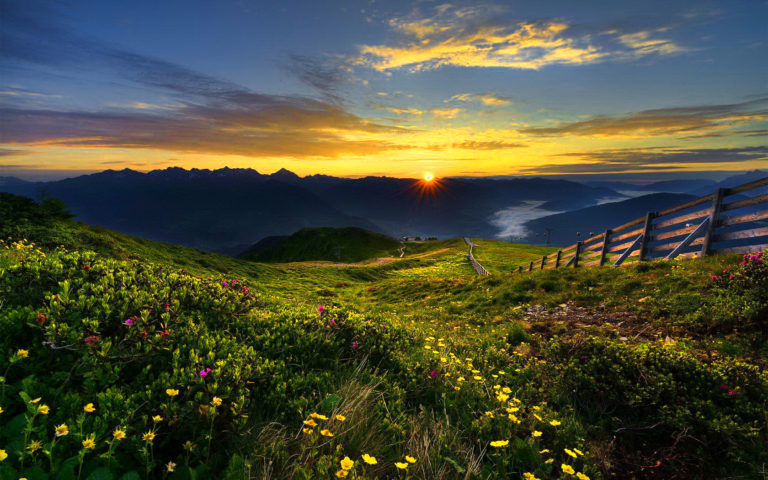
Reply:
x=354, y=88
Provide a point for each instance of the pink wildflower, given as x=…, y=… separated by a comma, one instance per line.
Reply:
x=204, y=372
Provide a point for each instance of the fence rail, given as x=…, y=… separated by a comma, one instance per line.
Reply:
x=731, y=221
x=471, y=257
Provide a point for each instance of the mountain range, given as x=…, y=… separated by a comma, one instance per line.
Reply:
x=226, y=210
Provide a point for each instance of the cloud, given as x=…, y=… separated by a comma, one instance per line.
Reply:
x=489, y=99
x=10, y=152
x=662, y=121
x=291, y=128
x=23, y=92
x=446, y=113
x=397, y=110
x=210, y=115
x=481, y=37
x=657, y=158
x=489, y=145
x=326, y=75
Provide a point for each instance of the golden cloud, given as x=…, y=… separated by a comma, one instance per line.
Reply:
x=466, y=38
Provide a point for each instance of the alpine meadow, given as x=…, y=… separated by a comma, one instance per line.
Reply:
x=406, y=240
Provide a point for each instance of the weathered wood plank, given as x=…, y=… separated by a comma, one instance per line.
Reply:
x=747, y=202
x=748, y=186
x=672, y=233
x=683, y=206
x=591, y=264
x=755, y=232
x=606, y=237
x=626, y=253
x=632, y=223
x=750, y=217
x=631, y=234
x=682, y=218
x=617, y=248
x=672, y=245
x=647, y=227
x=714, y=215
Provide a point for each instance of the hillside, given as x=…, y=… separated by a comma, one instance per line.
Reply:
x=331, y=244
x=168, y=358
x=565, y=226
x=218, y=210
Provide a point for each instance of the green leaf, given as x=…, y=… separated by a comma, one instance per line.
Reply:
x=102, y=473
x=330, y=403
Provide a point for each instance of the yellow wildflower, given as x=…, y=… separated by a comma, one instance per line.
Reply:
x=578, y=451
x=581, y=476
x=570, y=452
x=89, y=444
x=370, y=460
x=401, y=465
x=307, y=430
x=546, y=450
x=189, y=446
x=310, y=423
x=347, y=463
x=89, y=408
x=118, y=434
x=536, y=433
x=538, y=417
x=502, y=397
x=43, y=409
x=500, y=443
x=340, y=418
x=549, y=460
x=34, y=446
x=170, y=466
x=171, y=392
x=567, y=469
x=489, y=414
x=21, y=353
x=513, y=418
x=554, y=423
x=3, y=455
x=326, y=433
x=148, y=437
x=216, y=402
x=342, y=473
x=62, y=430
x=157, y=418
x=35, y=400
x=506, y=390
x=477, y=377
x=410, y=459
x=530, y=476
x=318, y=416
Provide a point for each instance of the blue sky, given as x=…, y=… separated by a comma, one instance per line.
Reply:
x=399, y=88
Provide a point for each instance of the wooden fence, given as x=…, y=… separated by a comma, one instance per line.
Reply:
x=734, y=220
x=470, y=256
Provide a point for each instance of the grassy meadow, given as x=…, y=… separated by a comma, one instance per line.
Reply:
x=124, y=358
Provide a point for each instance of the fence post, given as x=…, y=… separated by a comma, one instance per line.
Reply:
x=543, y=258
x=530, y=267
x=714, y=213
x=646, y=233
x=557, y=260
x=605, y=246
x=576, y=255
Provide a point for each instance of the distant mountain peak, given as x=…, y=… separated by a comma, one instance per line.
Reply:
x=285, y=174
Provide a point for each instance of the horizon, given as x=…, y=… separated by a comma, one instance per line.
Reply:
x=601, y=89
x=639, y=179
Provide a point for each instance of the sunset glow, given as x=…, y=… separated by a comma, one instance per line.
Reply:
x=389, y=88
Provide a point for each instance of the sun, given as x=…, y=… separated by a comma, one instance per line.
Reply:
x=428, y=177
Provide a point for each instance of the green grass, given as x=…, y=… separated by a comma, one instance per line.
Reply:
x=330, y=244
x=649, y=364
